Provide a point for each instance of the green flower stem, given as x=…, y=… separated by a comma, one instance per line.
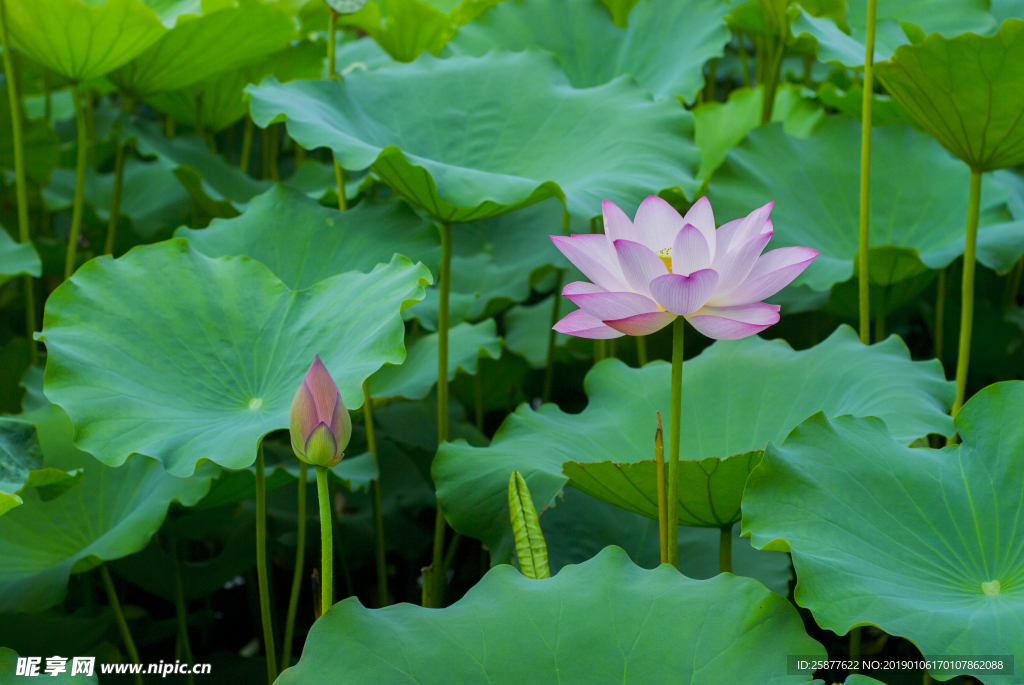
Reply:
x=444, y=285
x=122, y=624
x=79, y=202
x=659, y=469
x=940, y=312
x=180, y=608
x=864, y=288
x=725, y=549
x=641, y=350
x=247, y=133
x=261, y=565
x=549, y=365
x=674, y=431
x=967, y=291
x=378, y=517
x=326, y=541
x=855, y=646
x=300, y=562
x=19, y=180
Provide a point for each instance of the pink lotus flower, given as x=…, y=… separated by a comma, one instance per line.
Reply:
x=319, y=424
x=648, y=271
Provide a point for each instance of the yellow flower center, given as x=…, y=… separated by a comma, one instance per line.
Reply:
x=666, y=257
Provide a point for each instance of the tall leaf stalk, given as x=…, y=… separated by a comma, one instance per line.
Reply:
x=339, y=173
x=967, y=291
x=261, y=565
x=21, y=189
x=378, y=517
x=300, y=563
x=440, y=525
x=115, y=606
x=864, y=286
x=326, y=541
x=674, y=432
x=80, y=168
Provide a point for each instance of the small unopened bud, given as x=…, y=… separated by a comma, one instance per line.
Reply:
x=320, y=425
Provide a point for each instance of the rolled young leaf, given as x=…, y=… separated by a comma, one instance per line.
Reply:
x=531, y=550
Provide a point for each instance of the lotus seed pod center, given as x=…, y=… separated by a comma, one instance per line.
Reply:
x=990, y=588
x=256, y=403
x=665, y=256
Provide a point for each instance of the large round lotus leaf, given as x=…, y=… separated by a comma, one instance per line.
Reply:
x=229, y=38
x=918, y=199
x=112, y=513
x=968, y=92
x=603, y=621
x=404, y=28
x=737, y=396
x=497, y=262
x=896, y=20
x=882, y=534
x=664, y=48
x=581, y=526
x=472, y=138
x=17, y=258
x=302, y=242
x=84, y=40
x=204, y=360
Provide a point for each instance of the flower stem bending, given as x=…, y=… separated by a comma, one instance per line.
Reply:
x=300, y=562
x=967, y=291
x=674, y=431
x=261, y=565
x=865, y=178
x=326, y=541
x=122, y=624
x=444, y=286
x=79, y=201
x=725, y=549
x=378, y=517
x=21, y=188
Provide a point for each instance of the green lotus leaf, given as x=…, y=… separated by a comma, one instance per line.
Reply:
x=620, y=10
x=21, y=466
x=602, y=620
x=476, y=149
x=918, y=199
x=41, y=145
x=9, y=669
x=416, y=376
x=884, y=110
x=497, y=262
x=407, y=28
x=220, y=101
x=1007, y=9
x=320, y=242
x=882, y=534
x=151, y=197
x=95, y=38
x=213, y=352
x=709, y=490
x=17, y=258
x=722, y=125
x=235, y=35
x=766, y=386
x=527, y=329
x=664, y=48
x=581, y=526
x=968, y=92
x=896, y=21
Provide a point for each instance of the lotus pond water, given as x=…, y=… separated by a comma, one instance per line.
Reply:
x=512, y=341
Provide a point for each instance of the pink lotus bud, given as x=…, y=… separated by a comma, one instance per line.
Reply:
x=320, y=426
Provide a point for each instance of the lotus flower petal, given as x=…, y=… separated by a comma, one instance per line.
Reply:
x=594, y=257
x=639, y=265
x=317, y=407
x=617, y=225
x=303, y=418
x=657, y=222
x=581, y=288
x=731, y=234
x=583, y=325
x=684, y=295
x=734, y=266
x=690, y=251
x=323, y=389
x=702, y=218
x=642, y=324
x=605, y=306
x=731, y=323
x=772, y=272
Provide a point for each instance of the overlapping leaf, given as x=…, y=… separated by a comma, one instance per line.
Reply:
x=883, y=534
x=472, y=138
x=17, y=258
x=203, y=361
x=664, y=48
x=736, y=397
x=600, y=621
x=918, y=200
